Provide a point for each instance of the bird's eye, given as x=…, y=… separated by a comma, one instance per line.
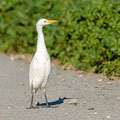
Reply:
x=44, y=21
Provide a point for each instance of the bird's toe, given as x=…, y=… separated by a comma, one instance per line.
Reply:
x=33, y=107
x=49, y=106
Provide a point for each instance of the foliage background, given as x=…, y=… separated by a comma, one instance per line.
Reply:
x=87, y=35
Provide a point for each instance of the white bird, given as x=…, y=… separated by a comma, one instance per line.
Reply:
x=40, y=65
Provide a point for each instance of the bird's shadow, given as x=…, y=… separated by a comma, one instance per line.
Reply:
x=57, y=102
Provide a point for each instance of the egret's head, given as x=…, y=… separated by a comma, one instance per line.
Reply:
x=43, y=22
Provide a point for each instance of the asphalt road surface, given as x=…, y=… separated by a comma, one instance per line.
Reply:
x=74, y=96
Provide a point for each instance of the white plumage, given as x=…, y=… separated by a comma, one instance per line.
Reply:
x=40, y=65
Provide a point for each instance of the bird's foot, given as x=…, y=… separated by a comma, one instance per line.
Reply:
x=49, y=106
x=33, y=107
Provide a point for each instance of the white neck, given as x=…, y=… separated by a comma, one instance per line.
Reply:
x=41, y=48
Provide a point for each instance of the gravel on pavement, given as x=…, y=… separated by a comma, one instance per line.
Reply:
x=73, y=96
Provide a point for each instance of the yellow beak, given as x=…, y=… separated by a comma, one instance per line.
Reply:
x=51, y=21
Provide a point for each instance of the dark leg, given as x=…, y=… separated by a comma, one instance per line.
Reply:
x=32, y=100
x=31, y=106
x=47, y=105
x=44, y=91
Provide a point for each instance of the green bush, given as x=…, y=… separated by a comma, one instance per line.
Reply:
x=87, y=35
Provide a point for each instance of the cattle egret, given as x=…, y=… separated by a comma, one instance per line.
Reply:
x=40, y=65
